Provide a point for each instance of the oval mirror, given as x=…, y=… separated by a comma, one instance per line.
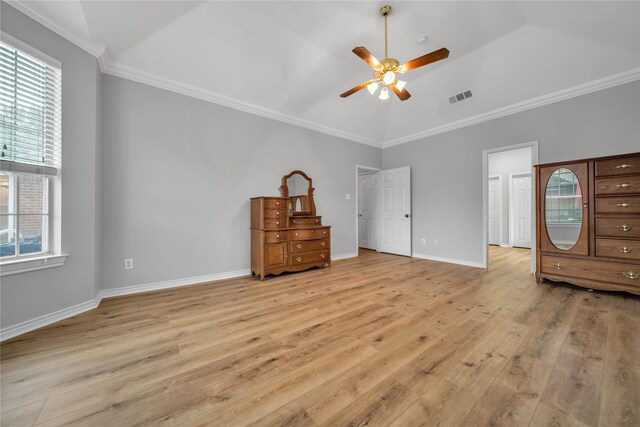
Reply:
x=563, y=208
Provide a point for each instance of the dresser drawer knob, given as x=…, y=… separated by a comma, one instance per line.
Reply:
x=296, y=234
x=625, y=227
x=294, y=221
x=623, y=205
x=299, y=246
x=625, y=250
x=277, y=203
x=559, y=266
x=277, y=222
x=299, y=259
x=622, y=166
x=277, y=236
x=323, y=256
x=630, y=275
x=277, y=212
x=317, y=220
x=625, y=185
x=324, y=232
x=322, y=244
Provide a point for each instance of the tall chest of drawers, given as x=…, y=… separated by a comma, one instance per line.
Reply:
x=281, y=241
x=606, y=254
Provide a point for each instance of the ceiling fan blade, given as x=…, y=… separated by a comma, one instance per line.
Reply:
x=429, y=58
x=357, y=88
x=367, y=57
x=402, y=94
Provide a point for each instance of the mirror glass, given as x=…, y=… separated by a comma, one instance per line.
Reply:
x=563, y=208
x=298, y=193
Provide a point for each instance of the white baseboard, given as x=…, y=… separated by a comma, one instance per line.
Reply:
x=344, y=256
x=448, y=260
x=505, y=246
x=47, y=319
x=136, y=289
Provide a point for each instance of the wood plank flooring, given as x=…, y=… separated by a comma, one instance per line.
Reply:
x=373, y=340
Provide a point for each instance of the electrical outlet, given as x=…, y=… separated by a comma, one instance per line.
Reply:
x=128, y=264
x=423, y=241
x=348, y=196
x=435, y=243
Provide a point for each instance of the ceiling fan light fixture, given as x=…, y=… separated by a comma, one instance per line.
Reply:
x=372, y=87
x=400, y=85
x=389, y=77
x=384, y=93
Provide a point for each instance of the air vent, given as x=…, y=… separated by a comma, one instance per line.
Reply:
x=460, y=97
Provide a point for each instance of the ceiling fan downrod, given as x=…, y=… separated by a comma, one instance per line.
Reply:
x=385, y=11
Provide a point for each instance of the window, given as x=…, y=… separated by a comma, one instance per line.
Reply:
x=30, y=151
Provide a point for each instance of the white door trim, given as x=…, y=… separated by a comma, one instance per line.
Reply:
x=485, y=199
x=511, y=176
x=499, y=178
x=373, y=170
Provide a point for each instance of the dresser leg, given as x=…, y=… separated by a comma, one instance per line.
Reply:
x=262, y=275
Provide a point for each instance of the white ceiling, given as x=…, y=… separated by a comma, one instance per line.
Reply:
x=291, y=60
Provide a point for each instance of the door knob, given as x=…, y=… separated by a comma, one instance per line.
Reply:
x=359, y=214
x=407, y=215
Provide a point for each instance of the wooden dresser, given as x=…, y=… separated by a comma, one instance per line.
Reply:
x=588, y=223
x=285, y=239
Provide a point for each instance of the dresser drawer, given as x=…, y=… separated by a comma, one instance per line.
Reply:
x=618, y=227
x=275, y=213
x=275, y=236
x=304, y=222
x=309, y=245
x=309, y=257
x=620, y=166
x=275, y=224
x=602, y=271
x=275, y=203
x=623, y=205
x=618, y=185
x=618, y=248
x=309, y=233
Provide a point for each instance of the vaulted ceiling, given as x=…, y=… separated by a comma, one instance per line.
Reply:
x=291, y=60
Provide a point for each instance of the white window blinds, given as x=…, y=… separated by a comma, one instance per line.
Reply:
x=30, y=113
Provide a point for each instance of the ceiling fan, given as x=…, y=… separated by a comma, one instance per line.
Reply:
x=385, y=72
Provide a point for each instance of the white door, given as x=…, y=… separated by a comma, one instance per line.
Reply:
x=367, y=207
x=495, y=207
x=396, y=211
x=521, y=211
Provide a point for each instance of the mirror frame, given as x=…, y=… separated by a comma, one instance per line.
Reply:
x=581, y=246
x=285, y=192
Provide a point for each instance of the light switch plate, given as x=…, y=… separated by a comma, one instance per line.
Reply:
x=348, y=196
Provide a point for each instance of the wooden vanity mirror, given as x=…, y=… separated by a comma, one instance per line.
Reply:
x=297, y=188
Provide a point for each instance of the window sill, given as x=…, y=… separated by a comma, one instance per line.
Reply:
x=8, y=268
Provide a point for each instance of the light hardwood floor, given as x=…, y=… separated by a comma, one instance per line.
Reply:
x=374, y=340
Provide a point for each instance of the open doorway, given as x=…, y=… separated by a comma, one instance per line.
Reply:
x=367, y=188
x=509, y=208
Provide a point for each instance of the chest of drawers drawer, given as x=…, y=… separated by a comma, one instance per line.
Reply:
x=275, y=214
x=304, y=222
x=602, y=271
x=309, y=245
x=618, y=248
x=275, y=236
x=275, y=203
x=618, y=185
x=618, y=227
x=620, y=166
x=307, y=257
x=618, y=204
x=275, y=224
x=310, y=233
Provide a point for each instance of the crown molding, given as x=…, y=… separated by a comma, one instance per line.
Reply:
x=93, y=49
x=561, y=95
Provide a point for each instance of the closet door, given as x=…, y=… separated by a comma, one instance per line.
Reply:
x=564, y=209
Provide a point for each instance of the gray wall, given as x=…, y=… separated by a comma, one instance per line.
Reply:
x=502, y=164
x=447, y=169
x=178, y=172
x=26, y=296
